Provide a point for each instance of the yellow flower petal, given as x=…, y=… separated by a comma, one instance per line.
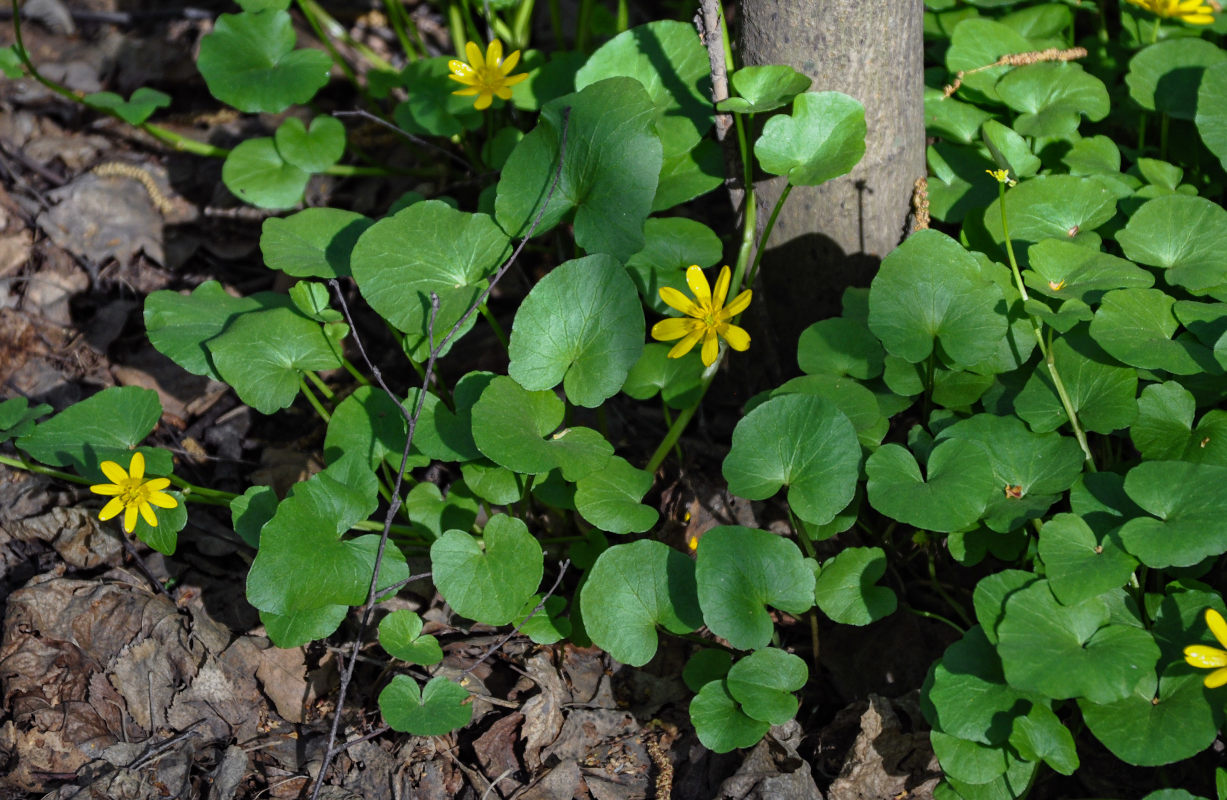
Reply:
x=148, y=515
x=113, y=507
x=461, y=71
x=1217, y=626
x=711, y=348
x=675, y=328
x=136, y=469
x=1216, y=679
x=699, y=286
x=473, y=53
x=1204, y=656
x=681, y=302
x=737, y=338
x=494, y=54
x=721, y=292
x=483, y=101
x=156, y=484
x=686, y=345
x=509, y=63
x=162, y=500
x=503, y=93
x=130, y=513
x=739, y=304
x=512, y=80
x=105, y=489
x=472, y=90
x=115, y=473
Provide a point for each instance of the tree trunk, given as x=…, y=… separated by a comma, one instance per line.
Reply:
x=832, y=236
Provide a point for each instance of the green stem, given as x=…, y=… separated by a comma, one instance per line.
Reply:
x=313, y=400
x=191, y=489
x=683, y=419
x=319, y=384
x=762, y=242
x=623, y=17
x=1164, y=121
x=931, y=615
x=664, y=408
x=498, y=329
x=352, y=370
x=1045, y=347
x=310, y=10
x=455, y=26
x=522, y=25
x=398, y=18
x=582, y=23
x=941, y=590
x=338, y=31
x=30, y=466
x=556, y=23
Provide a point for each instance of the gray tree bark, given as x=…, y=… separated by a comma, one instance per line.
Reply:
x=832, y=236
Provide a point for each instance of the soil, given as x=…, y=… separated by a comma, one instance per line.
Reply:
x=111, y=688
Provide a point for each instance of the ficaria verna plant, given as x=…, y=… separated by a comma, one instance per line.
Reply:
x=1016, y=429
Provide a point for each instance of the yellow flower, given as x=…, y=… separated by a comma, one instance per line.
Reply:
x=710, y=317
x=486, y=77
x=1002, y=176
x=1206, y=657
x=131, y=494
x=1194, y=12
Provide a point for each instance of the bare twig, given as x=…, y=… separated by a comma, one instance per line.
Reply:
x=562, y=570
x=708, y=21
x=412, y=418
x=420, y=142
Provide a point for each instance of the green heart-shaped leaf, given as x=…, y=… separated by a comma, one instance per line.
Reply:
x=671, y=245
x=134, y=111
x=1065, y=270
x=1165, y=76
x=631, y=589
x=400, y=634
x=763, y=683
x=765, y=87
x=488, y=586
x=740, y=571
x=1190, y=505
x=967, y=696
x=1186, y=236
x=1211, y=115
x=581, y=325
x=1050, y=207
x=609, y=175
x=677, y=380
x=1164, y=427
x=823, y=138
x=609, y=498
x=799, y=441
x=668, y=59
x=313, y=150
x=720, y=723
x=1101, y=393
x=845, y=589
x=314, y=243
x=440, y=708
x=1052, y=98
x=976, y=44
x=1080, y=563
x=432, y=109
x=958, y=488
x=929, y=291
x=1136, y=326
x=249, y=62
x=256, y=173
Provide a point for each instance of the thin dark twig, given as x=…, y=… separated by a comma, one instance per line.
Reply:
x=395, y=503
x=366, y=115
x=562, y=570
x=396, y=587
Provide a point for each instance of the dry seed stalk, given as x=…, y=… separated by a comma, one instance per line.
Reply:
x=1019, y=60
x=920, y=205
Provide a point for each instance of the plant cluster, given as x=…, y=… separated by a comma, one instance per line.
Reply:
x=1025, y=397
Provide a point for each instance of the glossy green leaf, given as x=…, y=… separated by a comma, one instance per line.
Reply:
x=957, y=489
x=304, y=540
x=106, y=426
x=845, y=589
x=17, y=418
x=799, y=441
x=582, y=325
x=1211, y=115
x=670, y=62
x=547, y=625
x=610, y=498
x=977, y=43
x=688, y=175
x=444, y=434
x=488, y=585
x=296, y=628
x=1040, y=735
x=706, y=666
x=315, y=149
x=180, y=326
x=631, y=589
x=510, y=421
x=453, y=254
x=1190, y=505
x=164, y=537
x=262, y=355
x=370, y=423
x=957, y=185
x=1081, y=564
x=609, y=175
x=1009, y=150
x=1164, y=427
x=432, y=514
x=1050, y=207
x=315, y=242
x=256, y=173
x=400, y=634
x=671, y=245
x=929, y=292
x=438, y=709
x=720, y=723
x=493, y=483
x=840, y=346
x=823, y=138
x=135, y=110
x=677, y=380
x=1065, y=270
x=431, y=108
x=763, y=683
x=857, y=403
x=1165, y=76
x=249, y=62
x=759, y=88
x=250, y=510
x=1101, y=393
x=1160, y=722
x=1052, y=98
x=1186, y=236
x=1071, y=651
x=951, y=118
x=1135, y=326
x=967, y=696
x=969, y=761
x=740, y=571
